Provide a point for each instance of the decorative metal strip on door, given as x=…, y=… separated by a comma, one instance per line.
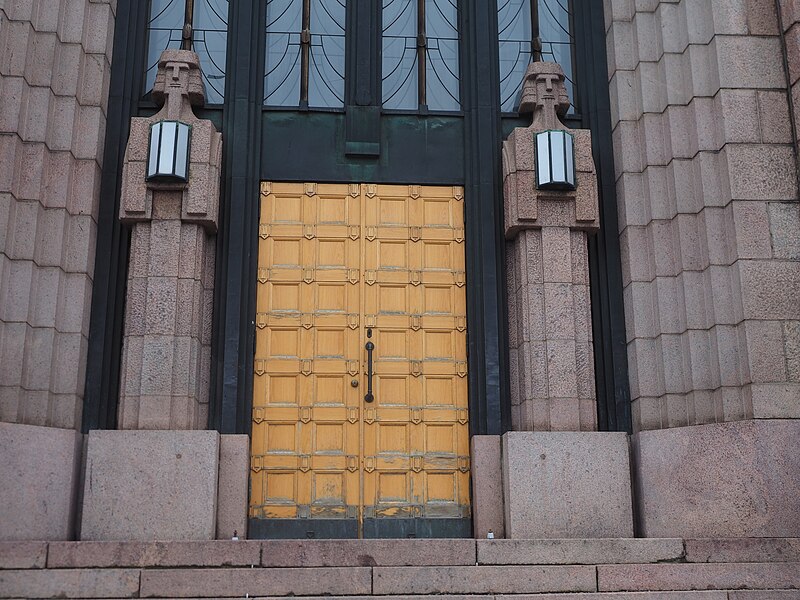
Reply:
x=360, y=386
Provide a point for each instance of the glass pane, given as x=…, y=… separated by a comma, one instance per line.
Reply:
x=163, y=31
x=210, y=40
x=514, y=25
x=166, y=155
x=282, y=79
x=210, y=36
x=555, y=31
x=326, y=68
x=441, y=23
x=399, y=54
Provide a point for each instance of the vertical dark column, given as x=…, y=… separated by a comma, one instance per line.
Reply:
x=608, y=317
x=363, y=78
x=489, y=408
x=422, y=55
x=363, y=60
x=232, y=360
x=111, y=267
x=305, y=52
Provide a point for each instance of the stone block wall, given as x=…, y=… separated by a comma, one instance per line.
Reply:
x=708, y=211
x=54, y=77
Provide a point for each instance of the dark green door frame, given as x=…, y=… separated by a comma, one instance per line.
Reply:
x=275, y=144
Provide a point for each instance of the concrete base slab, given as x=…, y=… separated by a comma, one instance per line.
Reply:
x=567, y=485
x=487, y=486
x=151, y=485
x=39, y=474
x=234, y=479
x=720, y=480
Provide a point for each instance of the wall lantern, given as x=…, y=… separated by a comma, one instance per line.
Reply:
x=168, y=155
x=555, y=160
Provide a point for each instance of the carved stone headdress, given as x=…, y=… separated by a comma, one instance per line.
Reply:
x=545, y=95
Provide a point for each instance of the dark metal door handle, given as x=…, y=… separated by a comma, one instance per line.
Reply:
x=369, y=346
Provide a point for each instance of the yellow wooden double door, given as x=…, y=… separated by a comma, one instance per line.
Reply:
x=341, y=265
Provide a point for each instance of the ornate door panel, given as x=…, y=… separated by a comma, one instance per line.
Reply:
x=339, y=264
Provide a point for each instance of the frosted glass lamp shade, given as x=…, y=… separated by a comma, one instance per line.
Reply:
x=168, y=153
x=555, y=160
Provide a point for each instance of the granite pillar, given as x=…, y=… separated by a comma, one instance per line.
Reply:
x=550, y=335
x=167, y=336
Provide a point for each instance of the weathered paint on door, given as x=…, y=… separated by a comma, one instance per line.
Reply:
x=335, y=263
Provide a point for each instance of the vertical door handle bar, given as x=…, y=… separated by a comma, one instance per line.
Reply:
x=369, y=346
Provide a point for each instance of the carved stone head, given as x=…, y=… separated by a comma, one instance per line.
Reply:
x=179, y=73
x=544, y=94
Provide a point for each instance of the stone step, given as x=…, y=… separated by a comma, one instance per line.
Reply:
x=693, y=576
x=390, y=553
x=692, y=595
x=683, y=595
x=601, y=569
x=218, y=553
x=368, y=553
x=578, y=552
x=488, y=581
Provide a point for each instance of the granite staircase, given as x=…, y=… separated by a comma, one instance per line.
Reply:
x=612, y=569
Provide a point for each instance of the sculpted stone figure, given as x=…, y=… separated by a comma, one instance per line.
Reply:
x=169, y=297
x=550, y=337
x=179, y=87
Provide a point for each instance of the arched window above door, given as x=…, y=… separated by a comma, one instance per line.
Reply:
x=305, y=55
x=420, y=55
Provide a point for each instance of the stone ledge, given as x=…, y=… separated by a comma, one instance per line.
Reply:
x=765, y=576
x=70, y=583
x=367, y=553
x=188, y=583
x=153, y=554
x=23, y=555
x=756, y=550
x=578, y=551
x=483, y=580
x=705, y=595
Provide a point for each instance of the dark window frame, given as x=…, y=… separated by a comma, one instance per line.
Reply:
x=247, y=127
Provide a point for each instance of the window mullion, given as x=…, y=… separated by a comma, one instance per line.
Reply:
x=305, y=51
x=188, y=23
x=422, y=48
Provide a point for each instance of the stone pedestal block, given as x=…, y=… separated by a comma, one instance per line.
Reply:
x=234, y=479
x=487, y=486
x=150, y=485
x=720, y=480
x=39, y=474
x=567, y=485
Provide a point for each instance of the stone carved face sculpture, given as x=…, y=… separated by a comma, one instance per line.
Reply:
x=544, y=94
x=179, y=72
